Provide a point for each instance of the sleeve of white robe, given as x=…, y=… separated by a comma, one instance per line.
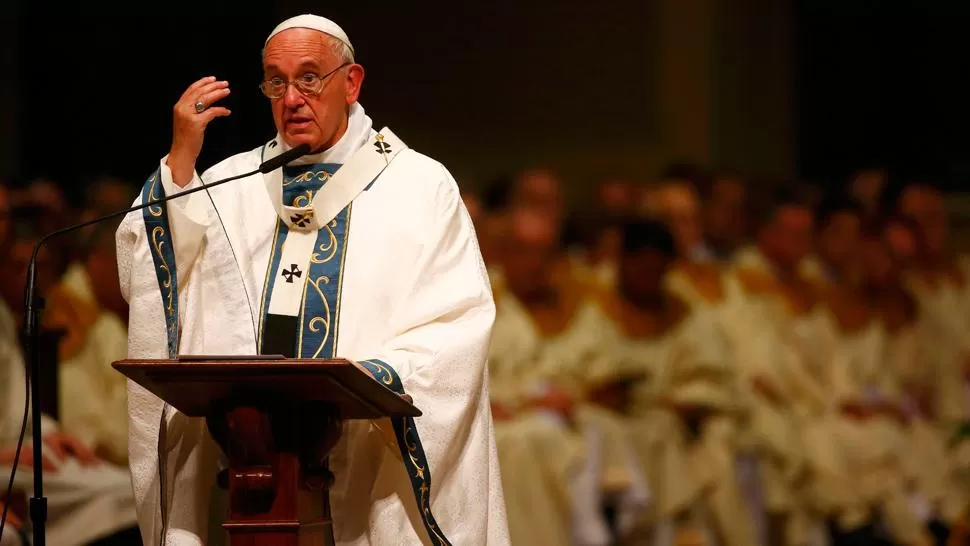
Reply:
x=439, y=354
x=188, y=218
x=183, y=446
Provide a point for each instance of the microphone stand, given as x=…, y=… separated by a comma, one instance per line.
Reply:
x=33, y=305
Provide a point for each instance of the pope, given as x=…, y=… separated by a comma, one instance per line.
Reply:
x=360, y=250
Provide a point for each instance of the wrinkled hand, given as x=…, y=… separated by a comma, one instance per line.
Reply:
x=65, y=446
x=557, y=401
x=188, y=127
x=26, y=458
x=12, y=518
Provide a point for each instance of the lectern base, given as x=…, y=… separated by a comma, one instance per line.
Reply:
x=279, y=533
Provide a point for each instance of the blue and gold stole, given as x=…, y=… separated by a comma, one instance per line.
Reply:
x=313, y=334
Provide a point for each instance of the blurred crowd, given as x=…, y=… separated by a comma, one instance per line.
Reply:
x=701, y=359
x=711, y=360
x=83, y=329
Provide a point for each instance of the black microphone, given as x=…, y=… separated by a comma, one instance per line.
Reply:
x=284, y=158
x=38, y=503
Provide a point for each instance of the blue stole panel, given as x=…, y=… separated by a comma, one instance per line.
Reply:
x=163, y=255
x=315, y=334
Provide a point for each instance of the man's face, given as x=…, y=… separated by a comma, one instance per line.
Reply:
x=682, y=213
x=724, y=213
x=541, y=192
x=789, y=236
x=877, y=261
x=102, y=266
x=838, y=241
x=902, y=242
x=13, y=273
x=926, y=207
x=316, y=119
x=641, y=274
x=617, y=197
x=529, y=258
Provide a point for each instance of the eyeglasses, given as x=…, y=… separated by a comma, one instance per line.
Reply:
x=308, y=84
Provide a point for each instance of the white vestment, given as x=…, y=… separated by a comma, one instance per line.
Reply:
x=414, y=295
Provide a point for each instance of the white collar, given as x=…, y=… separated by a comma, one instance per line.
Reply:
x=359, y=131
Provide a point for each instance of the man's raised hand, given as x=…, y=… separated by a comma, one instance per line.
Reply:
x=191, y=115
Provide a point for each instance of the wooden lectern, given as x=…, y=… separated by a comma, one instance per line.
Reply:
x=276, y=419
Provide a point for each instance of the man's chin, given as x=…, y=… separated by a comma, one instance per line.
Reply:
x=295, y=139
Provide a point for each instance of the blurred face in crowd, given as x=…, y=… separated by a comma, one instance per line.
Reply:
x=926, y=207
x=724, y=214
x=617, y=197
x=530, y=255
x=677, y=204
x=839, y=239
x=787, y=239
x=318, y=118
x=13, y=272
x=102, y=267
x=902, y=242
x=867, y=186
x=540, y=191
x=878, y=265
x=641, y=275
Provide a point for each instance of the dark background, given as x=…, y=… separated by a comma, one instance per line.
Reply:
x=809, y=89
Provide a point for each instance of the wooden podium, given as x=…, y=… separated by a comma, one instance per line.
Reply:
x=276, y=419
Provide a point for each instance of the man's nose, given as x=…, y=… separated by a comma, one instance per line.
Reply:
x=292, y=98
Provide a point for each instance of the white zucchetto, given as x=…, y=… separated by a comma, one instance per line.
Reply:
x=314, y=22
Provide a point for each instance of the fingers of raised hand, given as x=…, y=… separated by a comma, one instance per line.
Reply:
x=213, y=113
x=207, y=93
x=208, y=96
x=193, y=90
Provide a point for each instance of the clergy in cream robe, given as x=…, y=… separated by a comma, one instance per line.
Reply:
x=679, y=368
x=85, y=503
x=363, y=251
x=787, y=311
x=704, y=287
x=540, y=337
x=882, y=463
x=95, y=337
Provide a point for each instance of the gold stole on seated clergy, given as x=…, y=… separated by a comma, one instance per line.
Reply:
x=799, y=296
x=72, y=314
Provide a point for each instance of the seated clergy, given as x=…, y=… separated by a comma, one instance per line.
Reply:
x=681, y=412
x=542, y=333
x=88, y=498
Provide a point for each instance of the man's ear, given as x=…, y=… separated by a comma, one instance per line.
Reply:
x=355, y=79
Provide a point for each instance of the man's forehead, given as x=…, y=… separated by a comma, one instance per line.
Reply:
x=920, y=197
x=533, y=228
x=795, y=214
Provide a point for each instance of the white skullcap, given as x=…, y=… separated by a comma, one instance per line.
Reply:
x=314, y=22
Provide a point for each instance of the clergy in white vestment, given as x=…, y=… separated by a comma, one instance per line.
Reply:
x=87, y=306
x=360, y=250
x=87, y=498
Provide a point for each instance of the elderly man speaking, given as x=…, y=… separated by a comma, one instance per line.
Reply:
x=360, y=250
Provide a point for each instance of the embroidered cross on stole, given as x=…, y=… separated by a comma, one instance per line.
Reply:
x=313, y=332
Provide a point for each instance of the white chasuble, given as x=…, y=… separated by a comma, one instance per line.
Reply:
x=318, y=262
